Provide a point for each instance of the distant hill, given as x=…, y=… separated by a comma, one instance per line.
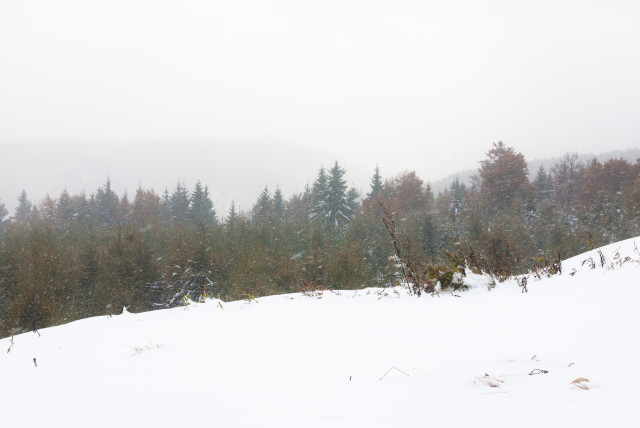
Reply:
x=233, y=169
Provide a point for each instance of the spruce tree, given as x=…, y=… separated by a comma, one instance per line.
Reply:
x=376, y=183
x=457, y=191
x=352, y=199
x=429, y=195
x=3, y=211
x=25, y=207
x=124, y=208
x=64, y=209
x=278, y=204
x=208, y=206
x=80, y=208
x=307, y=201
x=105, y=203
x=338, y=211
x=319, y=197
x=201, y=210
x=543, y=184
x=166, y=205
x=306, y=195
x=264, y=205
x=179, y=203
x=429, y=236
x=233, y=213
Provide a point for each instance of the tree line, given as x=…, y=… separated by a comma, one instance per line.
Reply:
x=75, y=256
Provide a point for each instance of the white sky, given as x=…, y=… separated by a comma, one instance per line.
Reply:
x=409, y=85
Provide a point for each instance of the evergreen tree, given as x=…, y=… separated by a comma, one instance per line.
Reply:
x=457, y=191
x=307, y=202
x=352, y=199
x=3, y=211
x=105, y=203
x=201, y=210
x=429, y=237
x=264, y=206
x=428, y=192
x=179, y=203
x=233, y=213
x=542, y=184
x=566, y=182
x=338, y=209
x=319, y=197
x=124, y=208
x=166, y=205
x=208, y=206
x=25, y=207
x=306, y=195
x=376, y=183
x=278, y=204
x=80, y=208
x=64, y=209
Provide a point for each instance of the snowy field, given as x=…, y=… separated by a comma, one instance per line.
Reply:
x=354, y=359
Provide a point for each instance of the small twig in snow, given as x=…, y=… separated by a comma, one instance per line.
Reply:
x=392, y=368
x=10, y=346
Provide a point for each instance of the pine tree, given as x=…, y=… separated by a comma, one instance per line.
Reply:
x=208, y=206
x=201, y=210
x=338, y=210
x=352, y=199
x=124, y=208
x=179, y=203
x=278, y=204
x=64, y=209
x=233, y=213
x=566, y=182
x=429, y=236
x=457, y=191
x=25, y=207
x=80, y=208
x=376, y=183
x=307, y=201
x=166, y=205
x=428, y=193
x=264, y=206
x=319, y=197
x=3, y=211
x=105, y=203
x=543, y=185
x=306, y=195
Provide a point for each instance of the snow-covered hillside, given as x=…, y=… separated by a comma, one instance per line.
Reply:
x=354, y=359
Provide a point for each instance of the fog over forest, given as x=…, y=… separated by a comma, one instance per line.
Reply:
x=247, y=93
x=234, y=170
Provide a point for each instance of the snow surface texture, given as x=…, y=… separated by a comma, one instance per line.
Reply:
x=354, y=359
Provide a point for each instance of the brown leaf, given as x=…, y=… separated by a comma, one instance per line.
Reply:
x=579, y=383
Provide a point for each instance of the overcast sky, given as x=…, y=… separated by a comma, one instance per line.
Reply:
x=419, y=85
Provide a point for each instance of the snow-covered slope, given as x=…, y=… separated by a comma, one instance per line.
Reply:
x=354, y=359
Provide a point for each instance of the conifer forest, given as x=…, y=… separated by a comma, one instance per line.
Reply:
x=78, y=255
